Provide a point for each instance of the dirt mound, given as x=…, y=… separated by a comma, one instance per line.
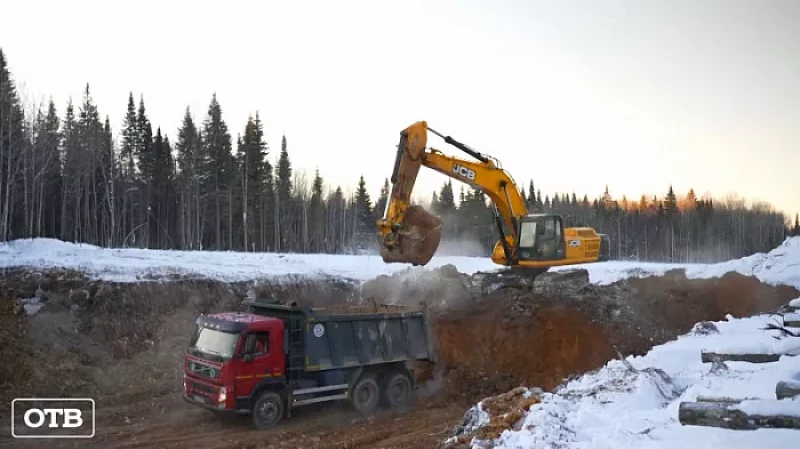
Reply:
x=567, y=326
x=439, y=288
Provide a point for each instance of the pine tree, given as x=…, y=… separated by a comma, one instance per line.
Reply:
x=12, y=145
x=268, y=193
x=129, y=138
x=363, y=214
x=144, y=153
x=108, y=169
x=317, y=215
x=446, y=204
x=284, y=195
x=194, y=167
x=252, y=154
x=796, y=230
x=532, y=202
x=48, y=142
x=162, y=191
x=220, y=180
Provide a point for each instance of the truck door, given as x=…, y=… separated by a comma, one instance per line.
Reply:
x=262, y=358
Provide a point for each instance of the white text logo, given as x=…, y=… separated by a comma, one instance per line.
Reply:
x=52, y=418
x=463, y=172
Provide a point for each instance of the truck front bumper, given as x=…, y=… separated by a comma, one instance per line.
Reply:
x=201, y=401
x=196, y=401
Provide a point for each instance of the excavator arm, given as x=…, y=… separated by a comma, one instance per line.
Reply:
x=408, y=233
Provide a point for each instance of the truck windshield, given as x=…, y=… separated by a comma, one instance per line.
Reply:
x=214, y=343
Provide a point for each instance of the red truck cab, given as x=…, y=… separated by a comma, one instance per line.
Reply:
x=230, y=354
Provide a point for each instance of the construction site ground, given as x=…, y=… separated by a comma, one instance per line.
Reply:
x=122, y=344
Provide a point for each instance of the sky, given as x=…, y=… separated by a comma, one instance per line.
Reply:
x=576, y=95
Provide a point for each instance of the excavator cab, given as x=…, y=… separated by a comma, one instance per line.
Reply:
x=541, y=238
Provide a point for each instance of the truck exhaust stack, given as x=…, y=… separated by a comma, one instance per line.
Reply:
x=416, y=240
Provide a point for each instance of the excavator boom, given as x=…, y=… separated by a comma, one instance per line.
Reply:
x=408, y=233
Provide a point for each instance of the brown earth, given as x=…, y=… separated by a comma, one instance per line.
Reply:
x=122, y=344
x=566, y=326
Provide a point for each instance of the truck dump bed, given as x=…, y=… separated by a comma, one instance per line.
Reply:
x=350, y=336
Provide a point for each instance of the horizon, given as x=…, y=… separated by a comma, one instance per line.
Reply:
x=597, y=84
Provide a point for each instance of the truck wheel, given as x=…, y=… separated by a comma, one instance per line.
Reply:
x=364, y=395
x=267, y=410
x=397, y=390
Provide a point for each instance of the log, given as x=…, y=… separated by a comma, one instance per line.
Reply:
x=791, y=323
x=725, y=416
x=787, y=389
x=710, y=357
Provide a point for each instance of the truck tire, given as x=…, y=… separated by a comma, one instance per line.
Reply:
x=396, y=390
x=365, y=394
x=268, y=410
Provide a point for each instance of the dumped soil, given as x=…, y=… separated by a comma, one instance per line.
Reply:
x=122, y=344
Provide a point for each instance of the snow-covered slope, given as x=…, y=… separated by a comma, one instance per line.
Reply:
x=124, y=265
x=617, y=407
x=780, y=265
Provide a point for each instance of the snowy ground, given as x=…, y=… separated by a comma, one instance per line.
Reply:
x=124, y=265
x=617, y=407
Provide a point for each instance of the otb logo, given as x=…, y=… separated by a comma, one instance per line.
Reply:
x=463, y=172
x=52, y=418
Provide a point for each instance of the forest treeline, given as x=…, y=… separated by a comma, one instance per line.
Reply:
x=68, y=176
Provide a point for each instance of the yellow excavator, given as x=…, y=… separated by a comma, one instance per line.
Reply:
x=529, y=244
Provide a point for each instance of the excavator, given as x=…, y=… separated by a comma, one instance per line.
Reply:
x=528, y=245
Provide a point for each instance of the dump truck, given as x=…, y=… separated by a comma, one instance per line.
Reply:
x=276, y=357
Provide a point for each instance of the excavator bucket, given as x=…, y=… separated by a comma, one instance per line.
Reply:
x=417, y=239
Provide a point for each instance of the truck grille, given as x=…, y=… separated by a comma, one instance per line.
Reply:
x=196, y=386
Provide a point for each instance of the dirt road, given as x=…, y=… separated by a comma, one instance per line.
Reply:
x=170, y=423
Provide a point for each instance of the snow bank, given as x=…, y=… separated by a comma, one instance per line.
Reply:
x=634, y=403
x=781, y=265
x=128, y=265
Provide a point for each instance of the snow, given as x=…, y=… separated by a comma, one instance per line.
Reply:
x=784, y=407
x=795, y=303
x=617, y=406
x=781, y=265
x=130, y=265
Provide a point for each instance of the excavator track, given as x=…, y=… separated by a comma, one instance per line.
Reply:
x=486, y=282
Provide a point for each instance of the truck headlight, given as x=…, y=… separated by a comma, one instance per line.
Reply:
x=223, y=395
